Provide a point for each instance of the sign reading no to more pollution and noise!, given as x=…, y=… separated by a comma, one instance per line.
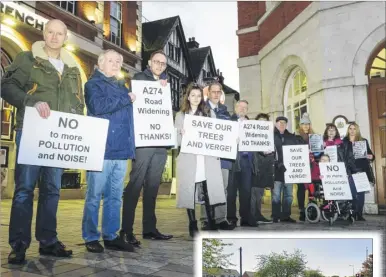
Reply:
x=63, y=140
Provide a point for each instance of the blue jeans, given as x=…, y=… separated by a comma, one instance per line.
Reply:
x=282, y=210
x=358, y=198
x=26, y=177
x=108, y=182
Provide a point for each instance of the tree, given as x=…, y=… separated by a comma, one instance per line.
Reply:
x=368, y=266
x=312, y=273
x=281, y=265
x=213, y=256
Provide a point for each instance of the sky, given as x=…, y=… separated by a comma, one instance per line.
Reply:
x=209, y=26
x=331, y=256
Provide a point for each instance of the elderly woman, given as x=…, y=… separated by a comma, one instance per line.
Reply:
x=108, y=98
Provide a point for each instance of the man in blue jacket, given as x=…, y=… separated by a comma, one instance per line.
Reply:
x=108, y=98
x=146, y=170
x=219, y=111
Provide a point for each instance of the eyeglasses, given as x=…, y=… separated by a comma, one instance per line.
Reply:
x=158, y=63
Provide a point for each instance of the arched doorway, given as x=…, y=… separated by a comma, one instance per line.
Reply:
x=376, y=72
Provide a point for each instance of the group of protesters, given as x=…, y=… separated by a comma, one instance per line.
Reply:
x=48, y=79
x=252, y=173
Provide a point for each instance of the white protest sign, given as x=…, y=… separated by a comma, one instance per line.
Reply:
x=153, y=115
x=256, y=136
x=316, y=143
x=335, y=181
x=360, y=149
x=332, y=152
x=361, y=182
x=63, y=140
x=210, y=136
x=296, y=159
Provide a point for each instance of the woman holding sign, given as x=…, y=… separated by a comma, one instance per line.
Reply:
x=195, y=169
x=360, y=149
x=304, y=132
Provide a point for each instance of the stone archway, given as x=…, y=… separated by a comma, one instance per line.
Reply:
x=361, y=59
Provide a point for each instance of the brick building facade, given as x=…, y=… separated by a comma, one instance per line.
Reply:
x=324, y=58
x=93, y=27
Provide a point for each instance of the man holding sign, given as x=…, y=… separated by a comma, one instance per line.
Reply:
x=46, y=78
x=282, y=211
x=219, y=111
x=108, y=98
x=146, y=169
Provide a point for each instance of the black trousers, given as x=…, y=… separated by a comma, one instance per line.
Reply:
x=146, y=172
x=240, y=181
x=301, y=195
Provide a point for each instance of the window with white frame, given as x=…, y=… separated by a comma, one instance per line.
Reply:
x=68, y=6
x=295, y=98
x=116, y=22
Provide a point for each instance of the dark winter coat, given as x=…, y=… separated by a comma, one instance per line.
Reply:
x=109, y=99
x=360, y=165
x=288, y=139
x=32, y=78
x=147, y=75
x=222, y=113
x=263, y=170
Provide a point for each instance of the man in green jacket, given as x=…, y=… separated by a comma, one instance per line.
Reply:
x=46, y=78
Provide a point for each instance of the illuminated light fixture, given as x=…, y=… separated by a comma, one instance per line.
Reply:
x=121, y=75
x=9, y=22
x=70, y=48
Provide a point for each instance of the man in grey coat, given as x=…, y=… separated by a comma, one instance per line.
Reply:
x=146, y=170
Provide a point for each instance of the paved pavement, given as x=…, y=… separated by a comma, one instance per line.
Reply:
x=155, y=258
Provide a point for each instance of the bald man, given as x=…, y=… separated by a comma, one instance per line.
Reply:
x=46, y=78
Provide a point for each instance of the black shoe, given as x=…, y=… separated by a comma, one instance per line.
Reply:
x=130, y=238
x=156, y=236
x=118, y=244
x=250, y=224
x=205, y=226
x=302, y=216
x=289, y=220
x=276, y=220
x=224, y=225
x=263, y=220
x=17, y=256
x=58, y=249
x=360, y=218
x=94, y=247
x=193, y=229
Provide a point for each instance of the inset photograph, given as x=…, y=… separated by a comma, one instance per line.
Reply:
x=289, y=256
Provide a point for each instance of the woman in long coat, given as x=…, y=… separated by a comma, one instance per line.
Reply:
x=193, y=170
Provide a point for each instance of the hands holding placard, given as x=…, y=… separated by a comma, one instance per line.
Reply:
x=132, y=97
x=163, y=82
x=370, y=157
x=43, y=109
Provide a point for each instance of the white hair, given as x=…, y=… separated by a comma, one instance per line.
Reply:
x=101, y=57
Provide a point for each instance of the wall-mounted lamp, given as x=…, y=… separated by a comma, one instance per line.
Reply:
x=70, y=48
x=9, y=22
